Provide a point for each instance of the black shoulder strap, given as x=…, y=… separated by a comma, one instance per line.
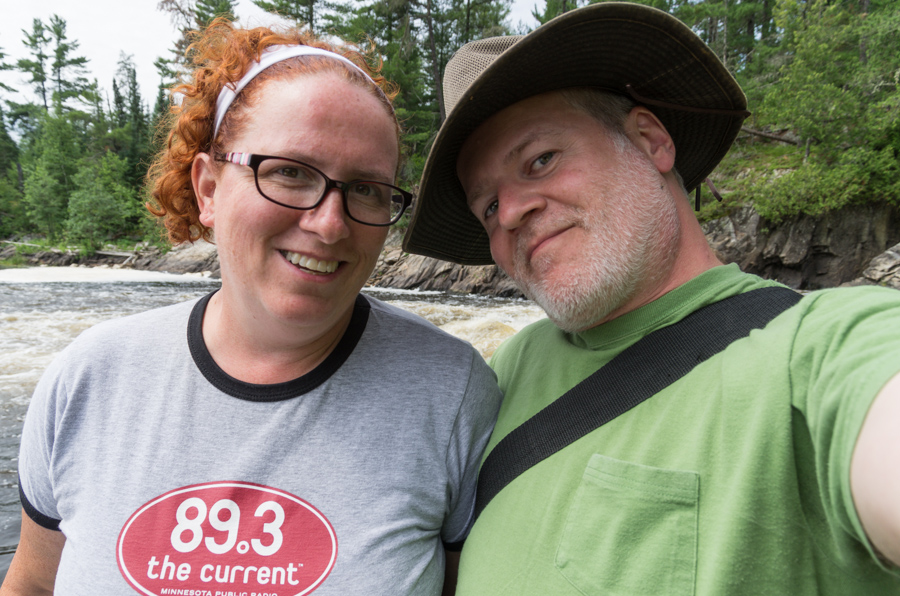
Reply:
x=637, y=373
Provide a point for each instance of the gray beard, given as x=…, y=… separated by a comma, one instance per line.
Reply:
x=632, y=246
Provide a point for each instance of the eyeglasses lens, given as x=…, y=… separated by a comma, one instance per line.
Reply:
x=294, y=184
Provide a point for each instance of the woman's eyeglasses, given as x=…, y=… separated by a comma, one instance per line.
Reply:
x=296, y=185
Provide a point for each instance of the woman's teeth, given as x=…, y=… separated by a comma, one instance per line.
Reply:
x=310, y=263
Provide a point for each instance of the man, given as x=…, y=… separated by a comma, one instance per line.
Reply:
x=769, y=468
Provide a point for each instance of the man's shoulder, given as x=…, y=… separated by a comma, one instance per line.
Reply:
x=539, y=336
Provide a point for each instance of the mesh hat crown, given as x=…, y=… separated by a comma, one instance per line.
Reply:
x=611, y=46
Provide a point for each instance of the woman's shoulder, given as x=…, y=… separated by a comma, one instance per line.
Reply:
x=140, y=329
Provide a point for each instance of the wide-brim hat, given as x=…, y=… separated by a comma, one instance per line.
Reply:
x=625, y=48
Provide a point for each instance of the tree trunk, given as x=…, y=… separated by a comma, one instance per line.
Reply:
x=768, y=135
x=435, y=65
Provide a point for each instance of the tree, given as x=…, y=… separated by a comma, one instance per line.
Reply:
x=554, y=8
x=9, y=151
x=181, y=12
x=37, y=43
x=12, y=210
x=68, y=80
x=5, y=66
x=837, y=90
x=162, y=106
x=104, y=206
x=50, y=164
x=45, y=201
x=449, y=24
x=300, y=11
x=207, y=10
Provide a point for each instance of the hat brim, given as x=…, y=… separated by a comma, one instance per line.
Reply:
x=606, y=46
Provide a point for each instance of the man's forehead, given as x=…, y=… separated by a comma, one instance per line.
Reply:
x=511, y=130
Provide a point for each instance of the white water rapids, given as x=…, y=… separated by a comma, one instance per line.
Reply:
x=43, y=309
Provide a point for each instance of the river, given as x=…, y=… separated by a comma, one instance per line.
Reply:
x=42, y=309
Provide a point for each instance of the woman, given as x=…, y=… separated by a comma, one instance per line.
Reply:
x=284, y=434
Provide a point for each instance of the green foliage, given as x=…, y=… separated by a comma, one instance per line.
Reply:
x=67, y=71
x=554, y=8
x=825, y=72
x=207, y=10
x=12, y=209
x=37, y=42
x=130, y=136
x=14, y=262
x=45, y=201
x=103, y=206
x=858, y=175
x=5, y=66
x=835, y=86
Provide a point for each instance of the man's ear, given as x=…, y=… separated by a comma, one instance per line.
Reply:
x=203, y=178
x=650, y=136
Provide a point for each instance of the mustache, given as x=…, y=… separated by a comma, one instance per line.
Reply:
x=539, y=227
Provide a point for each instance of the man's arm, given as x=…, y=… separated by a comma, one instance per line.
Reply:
x=33, y=568
x=451, y=570
x=875, y=472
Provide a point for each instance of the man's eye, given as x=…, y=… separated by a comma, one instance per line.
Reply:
x=542, y=161
x=490, y=209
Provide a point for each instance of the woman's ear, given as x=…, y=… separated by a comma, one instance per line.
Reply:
x=650, y=136
x=203, y=178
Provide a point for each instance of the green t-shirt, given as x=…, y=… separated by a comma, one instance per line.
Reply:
x=733, y=480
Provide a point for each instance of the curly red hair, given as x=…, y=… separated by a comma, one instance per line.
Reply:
x=221, y=55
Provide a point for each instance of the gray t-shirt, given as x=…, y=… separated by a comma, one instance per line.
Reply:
x=168, y=475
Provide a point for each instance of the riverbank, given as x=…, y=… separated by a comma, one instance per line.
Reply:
x=853, y=246
x=199, y=257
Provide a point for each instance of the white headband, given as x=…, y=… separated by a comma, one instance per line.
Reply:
x=271, y=55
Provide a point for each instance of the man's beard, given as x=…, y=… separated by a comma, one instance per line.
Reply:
x=632, y=240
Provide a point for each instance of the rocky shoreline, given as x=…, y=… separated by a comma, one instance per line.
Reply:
x=854, y=246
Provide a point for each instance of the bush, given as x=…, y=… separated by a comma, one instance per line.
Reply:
x=859, y=175
x=103, y=205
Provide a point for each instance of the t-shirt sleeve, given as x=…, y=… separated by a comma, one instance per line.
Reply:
x=844, y=353
x=471, y=432
x=36, y=448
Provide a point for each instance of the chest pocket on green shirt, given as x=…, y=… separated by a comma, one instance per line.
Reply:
x=632, y=530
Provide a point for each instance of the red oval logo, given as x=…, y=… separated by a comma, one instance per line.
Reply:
x=232, y=538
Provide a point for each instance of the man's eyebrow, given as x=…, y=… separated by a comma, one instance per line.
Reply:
x=512, y=155
x=516, y=151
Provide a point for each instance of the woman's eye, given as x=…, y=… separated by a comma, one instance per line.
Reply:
x=289, y=172
x=542, y=161
x=490, y=210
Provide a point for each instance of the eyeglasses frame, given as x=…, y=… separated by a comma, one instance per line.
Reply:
x=253, y=160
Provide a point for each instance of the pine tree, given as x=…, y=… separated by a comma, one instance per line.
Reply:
x=554, y=8
x=68, y=80
x=36, y=67
x=45, y=202
x=181, y=12
x=207, y=10
x=306, y=12
x=5, y=66
x=104, y=206
x=12, y=210
x=134, y=119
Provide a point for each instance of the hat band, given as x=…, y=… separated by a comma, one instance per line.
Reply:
x=674, y=106
x=273, y=55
